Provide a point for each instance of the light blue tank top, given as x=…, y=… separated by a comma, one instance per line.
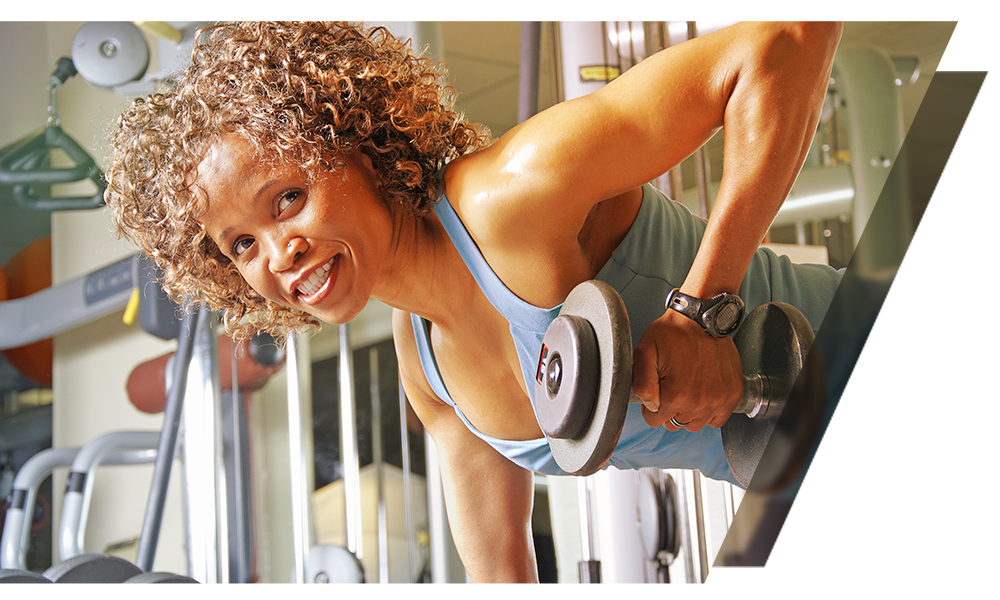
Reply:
x=654, y=258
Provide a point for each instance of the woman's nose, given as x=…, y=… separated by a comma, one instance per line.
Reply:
x=285, y=251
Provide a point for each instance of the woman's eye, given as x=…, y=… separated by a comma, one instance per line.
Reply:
x=286, y=200
x=242, y=246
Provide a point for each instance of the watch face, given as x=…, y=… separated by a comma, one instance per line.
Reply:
x=727, y=316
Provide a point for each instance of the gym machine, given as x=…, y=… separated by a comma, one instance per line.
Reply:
x=119, y=448
x=13, y=544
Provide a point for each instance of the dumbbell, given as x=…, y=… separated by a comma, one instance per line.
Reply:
x=19, y=576
x=583, y=380
x=101, y=568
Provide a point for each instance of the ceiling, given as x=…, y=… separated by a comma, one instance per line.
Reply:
x=483, y=60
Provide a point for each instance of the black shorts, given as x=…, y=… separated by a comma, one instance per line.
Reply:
x=904, y=496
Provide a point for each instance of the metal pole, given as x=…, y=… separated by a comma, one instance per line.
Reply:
x=699, y=504
x=383, y=527
x=241, y=564
x=411, y=545
x=688, y=541
x=218, y=454
x=730, y=501
x=437, y=517
x=349, y=444
x=168, y=442
x=531, y=40
x=590, y=566
x=202, y=459
x=300, y=445
x=558, y=85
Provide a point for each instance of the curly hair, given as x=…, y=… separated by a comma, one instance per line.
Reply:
x=297, y=92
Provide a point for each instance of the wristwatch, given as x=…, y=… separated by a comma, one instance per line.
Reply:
x=719, y=316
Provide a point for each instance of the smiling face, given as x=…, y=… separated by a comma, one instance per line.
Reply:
x=318, y=244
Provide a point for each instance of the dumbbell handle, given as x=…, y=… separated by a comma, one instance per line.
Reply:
x=755, y=401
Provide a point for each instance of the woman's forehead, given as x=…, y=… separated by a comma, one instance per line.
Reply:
x=227, y=156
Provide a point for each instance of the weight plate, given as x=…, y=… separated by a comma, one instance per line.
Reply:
x=159, y=578
x=773, y=340
x=110, y=53
x=92, y=568
x=670, y=531
x=17, y=576
x=566, y=377
x=333, y=564
x=603, y=308
x=650, y=512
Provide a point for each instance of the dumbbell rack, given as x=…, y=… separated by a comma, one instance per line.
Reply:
x=92, y=568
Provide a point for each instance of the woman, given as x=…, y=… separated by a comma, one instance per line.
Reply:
x=296, y=171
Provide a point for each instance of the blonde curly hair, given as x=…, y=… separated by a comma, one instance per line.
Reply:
x=297, y=92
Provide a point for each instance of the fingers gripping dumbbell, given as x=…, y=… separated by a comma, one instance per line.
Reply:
x=583, y=382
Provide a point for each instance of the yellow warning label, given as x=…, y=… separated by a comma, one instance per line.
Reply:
x=599, y=73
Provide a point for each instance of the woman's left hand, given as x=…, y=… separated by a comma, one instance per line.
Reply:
x=683, y=373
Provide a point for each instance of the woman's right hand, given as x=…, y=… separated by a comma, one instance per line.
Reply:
x=682, y=373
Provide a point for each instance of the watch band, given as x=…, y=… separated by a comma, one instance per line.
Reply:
x=719, y=316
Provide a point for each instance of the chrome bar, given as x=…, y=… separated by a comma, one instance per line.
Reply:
x=699, y=503
x=202, y=438
x=531, y=40
x=349, y=444
x=437, y=517
x=13, y=544
x=584, y=490
x=168, y=442
x=687, y=540
x=218, y=449
x=76, y=502
x=729, y=498
x=300, y=450
x=411, y=535
x=383, y=526
x=239, y=484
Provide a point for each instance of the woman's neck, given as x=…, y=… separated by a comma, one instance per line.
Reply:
x=425, y=275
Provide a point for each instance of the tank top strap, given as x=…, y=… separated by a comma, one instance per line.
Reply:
x=518, y=313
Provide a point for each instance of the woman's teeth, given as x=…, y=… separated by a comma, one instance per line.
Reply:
x=316, y=280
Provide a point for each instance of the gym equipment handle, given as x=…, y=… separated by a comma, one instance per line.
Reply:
x=755, y=401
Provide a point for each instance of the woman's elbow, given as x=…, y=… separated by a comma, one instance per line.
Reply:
x=820, y=36
x=804, y=47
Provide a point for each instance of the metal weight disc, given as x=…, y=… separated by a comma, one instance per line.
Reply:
x=649, y=502
x=603, y=308
x=773, y=341
x=333, y=564
x=110, y=53
x=92, y=568
x=18, y=576
x=156, y=577
x=671, y=537
x=566, y=379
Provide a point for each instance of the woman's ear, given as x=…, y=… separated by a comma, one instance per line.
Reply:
x=366, y=161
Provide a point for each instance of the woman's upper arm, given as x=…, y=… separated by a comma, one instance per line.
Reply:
x=652, y=117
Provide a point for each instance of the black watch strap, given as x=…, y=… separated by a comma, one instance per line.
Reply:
x=719, y=316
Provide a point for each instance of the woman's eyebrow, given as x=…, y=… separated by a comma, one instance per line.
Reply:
x=224, y=236
x=222, y=240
